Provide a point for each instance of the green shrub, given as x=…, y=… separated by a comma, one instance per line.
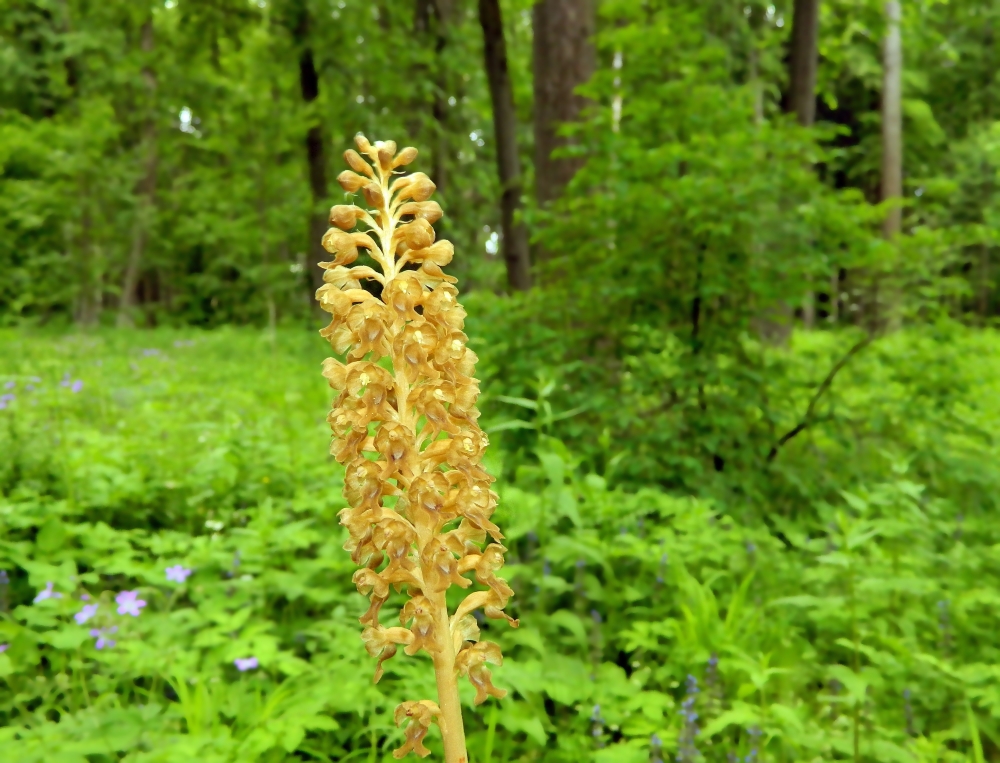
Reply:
x=871, y=624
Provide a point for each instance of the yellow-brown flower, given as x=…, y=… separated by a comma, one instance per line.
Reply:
x=405, y=426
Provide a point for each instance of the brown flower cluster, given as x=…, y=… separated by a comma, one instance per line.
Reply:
x=405, y=428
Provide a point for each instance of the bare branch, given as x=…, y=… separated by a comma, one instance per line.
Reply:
x=808, y=417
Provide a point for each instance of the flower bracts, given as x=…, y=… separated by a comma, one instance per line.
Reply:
x=405, y=427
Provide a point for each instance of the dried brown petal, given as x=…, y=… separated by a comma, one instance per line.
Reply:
x=418, y=612
x=345, y=216
x=341, y=245
x=404, y=157
x=417, y=234
x=385, y=158
x=373, y=195
x=439, y=254
x=351, y=181
x=381, y=643
x=420, y=714
x=356, y=163
x=418, y=189
x=471, y=662
x=427, y=210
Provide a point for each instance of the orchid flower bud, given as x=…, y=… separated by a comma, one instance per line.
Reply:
x=350, y=181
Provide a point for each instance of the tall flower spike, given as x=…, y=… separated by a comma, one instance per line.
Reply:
x=405, y=428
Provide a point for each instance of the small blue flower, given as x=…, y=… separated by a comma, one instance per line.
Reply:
x=129, y=603
x=178, y=573
x=47, y=593
x=88, y=611
x=101, y=635
x=243, y=664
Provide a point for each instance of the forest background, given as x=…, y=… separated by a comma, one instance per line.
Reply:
x=729, y=270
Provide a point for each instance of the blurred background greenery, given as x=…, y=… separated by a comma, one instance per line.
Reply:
x=729, y=272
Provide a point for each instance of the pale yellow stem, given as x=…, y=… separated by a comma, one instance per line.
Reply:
x=450, y=721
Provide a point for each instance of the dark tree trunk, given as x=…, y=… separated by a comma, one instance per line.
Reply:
x=431, y=21
x=315, y=151
x=563, y=59
x=802, y=61
x=801, y=100
x=514, y=236
x=146, y=190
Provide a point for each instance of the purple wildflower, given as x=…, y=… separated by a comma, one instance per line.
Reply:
x=10, y=385
x=88, y=611
x=76, y=386
x=655, y=749
x=150, y=353
x=48, y=593
x=754, y=742
x=6, y=400
x=101, y=635
x=597, y=726
x=129, y=603
x=84, y=597
x=687, y=751
x=4, y=648
x=243, y=664
x=178, y=573
x=65, y=381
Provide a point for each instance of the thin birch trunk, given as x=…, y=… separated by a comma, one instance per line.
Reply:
x=892, y=150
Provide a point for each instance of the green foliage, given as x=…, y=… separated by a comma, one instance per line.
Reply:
x=227, y=234
x=872, y=626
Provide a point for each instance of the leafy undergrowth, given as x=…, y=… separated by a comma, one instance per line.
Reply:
x=653, y=626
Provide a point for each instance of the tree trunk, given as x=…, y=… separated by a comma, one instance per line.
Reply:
x=889, y=301
x=431, y=19
x=315, y=151
x=146, y=189
x=801, y=101
x=803, y=60
x=514, y=240
x=892, y=121
x=563, y=59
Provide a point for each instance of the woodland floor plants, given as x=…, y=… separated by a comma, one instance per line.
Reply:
x=405, y=429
